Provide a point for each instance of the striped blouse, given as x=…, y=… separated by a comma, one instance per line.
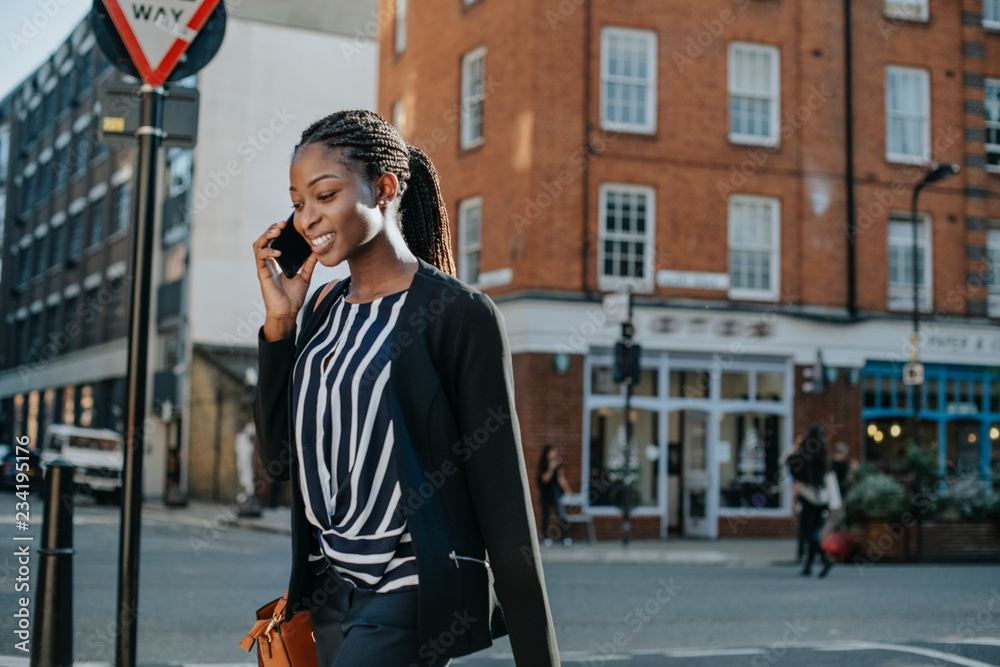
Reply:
x=344, y=439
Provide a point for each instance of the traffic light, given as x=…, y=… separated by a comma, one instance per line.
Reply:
x=627, y=361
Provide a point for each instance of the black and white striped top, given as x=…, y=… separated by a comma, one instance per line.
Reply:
x=344, y=439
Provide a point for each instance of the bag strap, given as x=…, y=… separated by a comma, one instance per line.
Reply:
x=264, y=625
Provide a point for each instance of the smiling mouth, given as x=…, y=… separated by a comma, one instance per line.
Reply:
x=322, y=242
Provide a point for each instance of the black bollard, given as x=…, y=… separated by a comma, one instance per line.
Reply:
x=52, y=639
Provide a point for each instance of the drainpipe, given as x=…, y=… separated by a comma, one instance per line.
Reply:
x=587, y=127
x=852, y=270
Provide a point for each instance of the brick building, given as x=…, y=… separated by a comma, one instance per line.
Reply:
x=745, y=168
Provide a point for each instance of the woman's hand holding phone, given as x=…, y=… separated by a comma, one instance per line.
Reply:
x=283, y=296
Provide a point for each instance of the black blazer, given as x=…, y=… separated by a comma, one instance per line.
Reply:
x=460, y=465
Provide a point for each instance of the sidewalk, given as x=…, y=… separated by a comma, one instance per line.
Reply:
x=736, y=552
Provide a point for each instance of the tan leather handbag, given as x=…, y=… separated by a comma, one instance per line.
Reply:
x=282, y=643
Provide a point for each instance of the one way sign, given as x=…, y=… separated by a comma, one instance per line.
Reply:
x=157, y=32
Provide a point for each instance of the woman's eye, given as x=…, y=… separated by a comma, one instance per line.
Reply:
x=326, y=196
x=296, y=206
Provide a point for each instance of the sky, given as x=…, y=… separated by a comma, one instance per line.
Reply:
x=32, y=30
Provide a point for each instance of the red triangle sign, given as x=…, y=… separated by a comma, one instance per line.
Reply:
x=157, y=32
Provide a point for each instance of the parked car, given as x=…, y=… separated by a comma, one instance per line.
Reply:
x=97, y=453
x=9, y=465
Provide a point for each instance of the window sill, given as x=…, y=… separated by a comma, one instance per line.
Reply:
x=754, y=295
x=644, y=130
x=993, y=26
x=753, y=140
x=115, y=235
x=907, y=159
x=907, y=17
x=614, y=283
x=471, y=145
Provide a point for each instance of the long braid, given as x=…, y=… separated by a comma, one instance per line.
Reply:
x=369, y=140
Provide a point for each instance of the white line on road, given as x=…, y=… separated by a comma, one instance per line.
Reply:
x=926, y=652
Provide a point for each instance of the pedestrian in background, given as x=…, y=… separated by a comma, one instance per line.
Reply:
x=809, y=463
x=553, y=485
x=375, y=407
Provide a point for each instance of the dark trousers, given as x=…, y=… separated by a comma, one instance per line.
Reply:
x=359, y=628
x=554, y=503
x=811, y=521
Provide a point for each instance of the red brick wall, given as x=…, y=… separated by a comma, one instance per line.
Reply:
x=535, y=114
x=838, y=409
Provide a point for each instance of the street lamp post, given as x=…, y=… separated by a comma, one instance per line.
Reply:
x=938, y=173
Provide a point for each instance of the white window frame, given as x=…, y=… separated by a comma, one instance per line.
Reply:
x=607, y=283
x=124, y=194
x=399, y=115
x=993, y=257
x=774, y=247
x=991, y=14
x=401, y=25
x=465, y=245
x=992, y=118
x=735, y=51
x=907, y=10
x=470, y=99
x=607, y=34
x=890, y=115
x=900, y=297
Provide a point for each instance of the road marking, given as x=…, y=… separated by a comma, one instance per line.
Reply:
x=900, y=648
x=984, y=641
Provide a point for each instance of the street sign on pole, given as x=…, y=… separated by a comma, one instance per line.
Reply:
x=913, y=373
x=157, y=33
x=150, y=39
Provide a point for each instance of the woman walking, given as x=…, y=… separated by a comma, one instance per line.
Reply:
x=388, y=403
x=809, y=463
x=552, y=485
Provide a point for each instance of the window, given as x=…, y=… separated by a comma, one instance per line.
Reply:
x=116, y=322
x=75, y=235
x=993, y=255
x=62, y=167
x=4, y=150
x=399, y=116
x=82, y=150
x=754, y=94
x=91, y=309
x=991, y=14
x=473, y=94
x=625, y=244
x=97, y=221
x=56, y=246
x=84, y=69
x=69, y=317
x=901, y=262
x=66, y=95
x=122, y=207
x=50, y=109
x=44, y=179
x=910, y=10
x=993, y=124
x=628, y=80
x=754, y=247
x=470, y=220
x=41, y=254
x=400, y=26
x=907, y=115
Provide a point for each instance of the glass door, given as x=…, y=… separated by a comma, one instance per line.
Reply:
x=700, y=512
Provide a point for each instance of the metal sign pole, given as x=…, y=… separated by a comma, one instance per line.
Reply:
x=149, y=133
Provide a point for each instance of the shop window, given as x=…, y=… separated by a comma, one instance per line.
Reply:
x=887, y=440
x=963, y=452
x=86, y=405
x=933, y=391
x=871, y=389
x=995, y=451
x=690, y=383
x=748, y=451
x=602, y=382
x=608, y=471
x=995, y=396
x=770, y=387
x=885, y=395
x=736, y=386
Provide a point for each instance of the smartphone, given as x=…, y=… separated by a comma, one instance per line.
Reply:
x=295, y=250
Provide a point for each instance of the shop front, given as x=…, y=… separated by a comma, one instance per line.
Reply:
x=954, y=416
x=707, y=435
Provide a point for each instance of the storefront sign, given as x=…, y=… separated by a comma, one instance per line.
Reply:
x=972, y=343
x=751, y=327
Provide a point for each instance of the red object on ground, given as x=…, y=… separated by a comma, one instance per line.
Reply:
x=839, y=545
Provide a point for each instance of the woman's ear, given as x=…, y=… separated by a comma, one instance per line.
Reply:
x=386, y=188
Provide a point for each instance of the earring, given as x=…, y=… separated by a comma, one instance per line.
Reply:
x=381, y=202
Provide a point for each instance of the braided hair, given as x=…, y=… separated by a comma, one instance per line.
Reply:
x=367, y=139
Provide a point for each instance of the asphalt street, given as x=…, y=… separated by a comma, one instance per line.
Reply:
x=201, y=582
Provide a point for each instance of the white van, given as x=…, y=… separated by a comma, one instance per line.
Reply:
x=97, y=453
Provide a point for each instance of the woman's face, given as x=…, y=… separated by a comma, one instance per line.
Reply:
x=335, y=207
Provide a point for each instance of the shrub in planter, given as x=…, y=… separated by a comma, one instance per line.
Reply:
x=971, y=498
x=875, y=495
